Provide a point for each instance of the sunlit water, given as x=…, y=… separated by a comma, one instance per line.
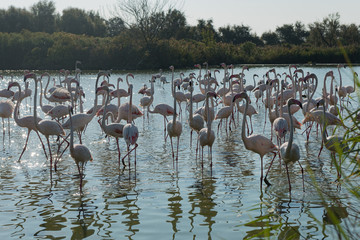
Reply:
x=158, y=201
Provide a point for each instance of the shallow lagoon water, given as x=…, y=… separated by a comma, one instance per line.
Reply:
x=160, y=201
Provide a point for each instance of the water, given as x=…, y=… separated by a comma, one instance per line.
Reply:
x=159, y=202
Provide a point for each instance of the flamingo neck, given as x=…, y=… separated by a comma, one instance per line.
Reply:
x=16, y=110
x=104, y=111
x=243, y=136
x=71, y=133
x=290, y=142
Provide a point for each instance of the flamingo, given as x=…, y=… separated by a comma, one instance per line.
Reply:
x=61, y=111
x=350, y=89
x=342, y=91
x=6, y=110
x=251, y=111
x=165, y=110
x=115, y=129
x=206, y=135
x=130, y=131
x=196, y=122
x=174, y=129
x=46, y=127
x=119, y=92
x=81, y=120
x=255, y=142
x=333, y=143
x=80, y=153
x=47, y=107
x=289, y=151
x=26, y=122
x=146, y=101
x=59, y=95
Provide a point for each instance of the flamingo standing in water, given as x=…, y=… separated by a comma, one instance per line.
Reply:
x=6, y=110
x=196, y=122
x=255, y=142
x=206, y=135
x=80, y=153
x=115, y=129
x=46, y=127
x=174, y=129
x=130, y=131
x=289, y=151
x=81, y=120
x=27, y=121
x=333, y=143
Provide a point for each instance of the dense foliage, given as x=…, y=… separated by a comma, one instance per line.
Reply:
x=43, y=39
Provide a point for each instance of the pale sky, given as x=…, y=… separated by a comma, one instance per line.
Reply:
x=259, y=15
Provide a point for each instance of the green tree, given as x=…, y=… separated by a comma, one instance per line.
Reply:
x=115, y=26
x=350, y=34
x=15, y=19
x=325, y=33
x=78, y=21
x=292, y=34
x=237, y=35
x=270, y=38
x=44, y=16
x=174, y=25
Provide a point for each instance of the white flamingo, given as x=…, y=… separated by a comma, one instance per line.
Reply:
x=25, y=122
x=80, y=153
x=130, y=131
x=174, y=129
x=255, y=142
x=46, y=127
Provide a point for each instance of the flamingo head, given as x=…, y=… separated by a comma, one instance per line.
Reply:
x=196, y=65
x=294, y=101
x=12, y=84
x=320, y=102
x=240, y=95
x=211, y=94
x=71, y=110
x=105, y=88
x=30, y=75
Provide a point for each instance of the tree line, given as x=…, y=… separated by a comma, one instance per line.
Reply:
x=144, y=37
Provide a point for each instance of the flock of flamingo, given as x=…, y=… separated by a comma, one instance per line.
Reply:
x=281, y=95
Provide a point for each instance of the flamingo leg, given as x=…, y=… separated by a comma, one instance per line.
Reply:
x=177, y=149
x=119, y=153
x=265, y=179
x=27, y=138
x=48, y=143
x=288, y=176
x=128, y=153
x=302, y=174
x=261, y=176
x=59, y=157
x=172, y=150
x=42, y=143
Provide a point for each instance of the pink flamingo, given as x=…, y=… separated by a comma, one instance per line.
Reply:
x=130, y=131
x=255, y=142
x=206, y=135
x=289, y=151
x=80, y=153
x=196, y=122
x=174, y=129
x=165, y=110
x=46, y=127
x=115, y=129
x=26, y=122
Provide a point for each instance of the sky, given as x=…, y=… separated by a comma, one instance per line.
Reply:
x=260, y=15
